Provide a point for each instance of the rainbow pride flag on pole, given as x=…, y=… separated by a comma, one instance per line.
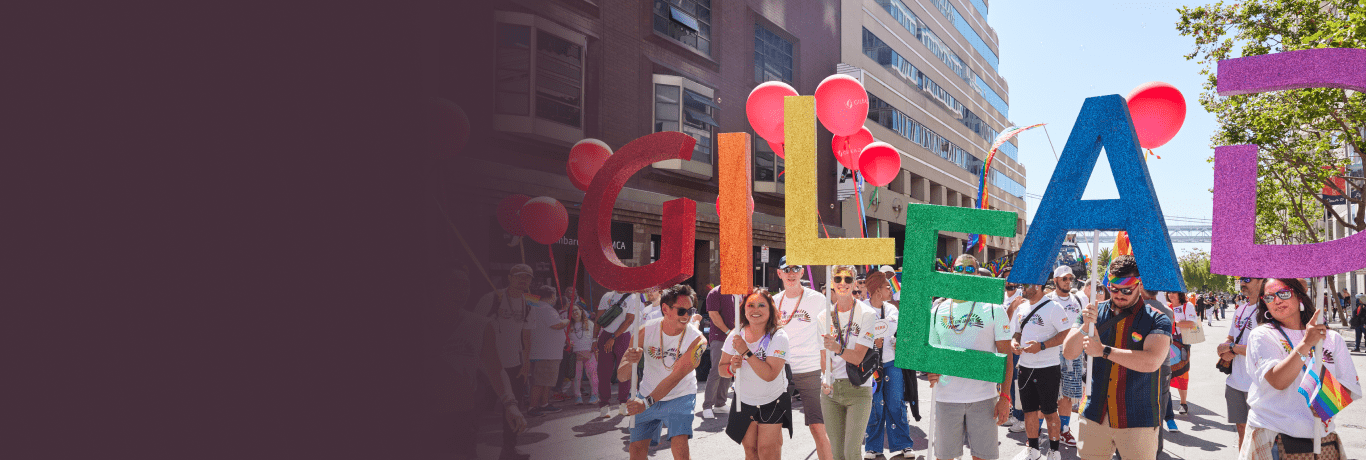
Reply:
x=1324, y=394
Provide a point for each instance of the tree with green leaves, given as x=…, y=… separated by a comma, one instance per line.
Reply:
x=1194, y=266
x=1305, y=137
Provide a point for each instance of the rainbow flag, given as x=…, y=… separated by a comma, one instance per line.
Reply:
x=1324, y=395
x=976, y=240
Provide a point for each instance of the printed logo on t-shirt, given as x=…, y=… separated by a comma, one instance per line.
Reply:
x=975, y=321
x=1327, y=356
x=799, y=315
x=779, y=354
x=658, y=353
x=1286, y=346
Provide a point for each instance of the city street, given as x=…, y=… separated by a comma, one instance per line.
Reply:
x=577, y=433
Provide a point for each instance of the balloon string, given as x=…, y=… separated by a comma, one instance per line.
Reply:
x=556, y=271
x=521, y=245
x=575, y=283
x=465, y=244
x=863, y=212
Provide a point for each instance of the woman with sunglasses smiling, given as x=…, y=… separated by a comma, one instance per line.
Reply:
x=848, y=335
x=1291, y=337
x=754, y=354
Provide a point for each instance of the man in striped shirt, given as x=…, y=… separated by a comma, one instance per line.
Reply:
x=1131, y=343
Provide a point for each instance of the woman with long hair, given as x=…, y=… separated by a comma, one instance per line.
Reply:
x=847, y=325
x=581, y=339
x=1291, y=340
x=1183, y=318
x=755, y=353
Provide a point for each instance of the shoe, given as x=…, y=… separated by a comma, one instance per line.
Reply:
x=908, y=453
x=602, y=412
x=549, y=409
x=1171, y=426
x=1054, y=455
x=535, y=412
x=1017, y=427
x=870, y=455
x=593, y=400
x=578, y=400
x=559, y=397
x=1184, y=409
x=1067, y=439
x=510, y=453
x=622, y=410
x=720, y=409
x=708, y=414
x=1029, y=453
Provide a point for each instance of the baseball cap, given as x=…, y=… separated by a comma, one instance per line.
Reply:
x=887, y=269
x=521, y=269
x=1062, y=270
x=782, y=263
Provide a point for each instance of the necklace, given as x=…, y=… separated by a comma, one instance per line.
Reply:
x=783, y=300
x=664, y=353
x=968, y=315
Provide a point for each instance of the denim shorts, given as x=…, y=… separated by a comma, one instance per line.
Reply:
x=676, y=412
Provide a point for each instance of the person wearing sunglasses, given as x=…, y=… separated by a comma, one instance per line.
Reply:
x=1039, y=325
x=1131, y=344
x=889, y=404
x=1292, y=338
x=967, y=411
x=1014, y=294
x=667, y=391
x=847, y=332
x=1233, y=353
x=1073, y=370
x=798, y=308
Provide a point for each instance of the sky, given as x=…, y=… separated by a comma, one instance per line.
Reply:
x=1055, y=54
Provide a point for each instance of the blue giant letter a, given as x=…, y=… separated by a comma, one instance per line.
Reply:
x=1104, y=122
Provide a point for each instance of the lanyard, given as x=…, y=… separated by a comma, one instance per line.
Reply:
x=664, y=353
x=1292, y=346
x=783, y=300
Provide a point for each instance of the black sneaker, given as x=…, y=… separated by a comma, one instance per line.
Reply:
x=1184, y=410
x=549, y=409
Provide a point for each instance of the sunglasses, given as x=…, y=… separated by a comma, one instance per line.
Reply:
x=1012, y=287
x=1283, y=294
x=1247, y=280
x=844, y=279
x=965, y=269
x=792, y=269
x=1069, y=278
x=1122, y=290
x=858, y=292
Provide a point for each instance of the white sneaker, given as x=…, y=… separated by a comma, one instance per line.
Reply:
x=870, y=455
x=707, y=413
x=1029, y=453
x=602, y=412
x=1017, y=427
x=623, y=410
x=1054, y=455
x=908, y=454
x=721, y=409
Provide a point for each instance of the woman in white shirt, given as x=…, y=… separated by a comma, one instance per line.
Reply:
x=755, y=353
x=847, y=400
x=1183, y=313
x=1290, y=338
x=582, y=341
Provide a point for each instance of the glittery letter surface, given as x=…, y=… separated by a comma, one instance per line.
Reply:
x=675, y=262
x=804, y=245
x=1103, y=122
x=1232, y=251
x=921, y=283
x=737, y=272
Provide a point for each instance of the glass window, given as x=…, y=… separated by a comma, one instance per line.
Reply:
x=687, y=111
x=513, y=70
x=876, y=49
x=559, y=79
x=688, y=21
x=666, y=107
x=772, y=56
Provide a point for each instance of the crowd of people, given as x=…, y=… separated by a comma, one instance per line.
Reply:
x=833, y=352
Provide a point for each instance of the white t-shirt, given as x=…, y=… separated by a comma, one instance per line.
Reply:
x=1071, y=306
x=804, y=338
x=546, y=343
x=649, y=312
x=1049, y=321
x=632, y=306
x=749, y=387
x=891, y=315
x=856, y=325
x=1285, y=411
x=509, y=319
x=1244, y=318
x=981, y=325
x=1082, y=299
x=662, y=352
x=581, y=336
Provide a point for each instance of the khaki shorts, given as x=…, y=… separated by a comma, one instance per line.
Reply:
x=544, y=372
x=974, y=424
x=809, y=384
x=1097, y=441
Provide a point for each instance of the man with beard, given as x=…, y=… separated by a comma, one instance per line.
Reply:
x=1131, y=343
x=1234, y=353
x=1073, y=370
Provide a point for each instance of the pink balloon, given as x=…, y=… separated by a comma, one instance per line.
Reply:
x=751, y=206
x=778, y=150
x=508, y=211
x=450, y=126
x=585, y=159
x=841, y=104
x=879, y=163
x=545, y=219
x=765, y=109
x=847, y=148
x=1158, y=110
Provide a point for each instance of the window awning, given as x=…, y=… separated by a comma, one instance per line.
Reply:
x=683, y=18
x=694, y=115
x=700, y=99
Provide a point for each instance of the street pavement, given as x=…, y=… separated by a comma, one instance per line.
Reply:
x=578, y=433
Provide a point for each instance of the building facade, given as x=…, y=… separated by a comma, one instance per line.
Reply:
x=935, y=93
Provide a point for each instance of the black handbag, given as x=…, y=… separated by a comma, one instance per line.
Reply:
x=1227, y=368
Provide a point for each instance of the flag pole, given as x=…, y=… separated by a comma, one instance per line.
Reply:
x=1090, y=361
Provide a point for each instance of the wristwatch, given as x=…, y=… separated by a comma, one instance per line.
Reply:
x=748, y=354
x=1042, y=346
x=1106, y=354
x=649, y=402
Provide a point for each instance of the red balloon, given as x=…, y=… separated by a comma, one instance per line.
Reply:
x=777, y=150
x=585, y=159
x=450, y=125
x=1158, y=110
x=508, y=210
x=841, y=104
x=847, y=148
x=764, y=108
x=545, y=219
x=879, y=163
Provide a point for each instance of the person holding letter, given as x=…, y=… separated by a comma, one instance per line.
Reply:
x=675, y=348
